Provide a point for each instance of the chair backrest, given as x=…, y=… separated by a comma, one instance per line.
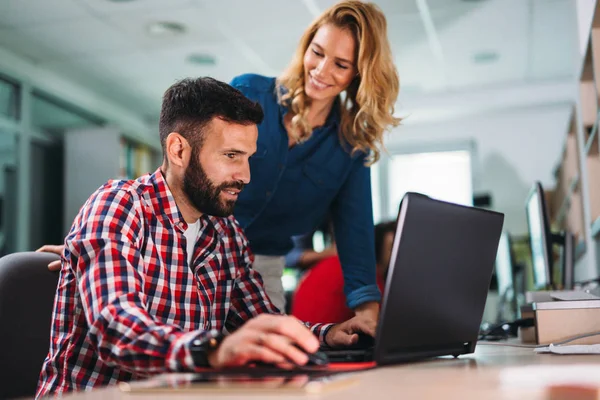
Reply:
x=27, y=290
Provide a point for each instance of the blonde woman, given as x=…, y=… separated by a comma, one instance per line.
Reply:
x=324, y=123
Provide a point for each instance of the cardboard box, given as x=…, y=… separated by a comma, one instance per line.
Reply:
x=556, y=321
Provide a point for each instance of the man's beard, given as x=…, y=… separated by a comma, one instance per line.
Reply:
x=204, y=195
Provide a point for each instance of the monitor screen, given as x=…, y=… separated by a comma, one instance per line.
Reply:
x=504, y=265
x=539, y=236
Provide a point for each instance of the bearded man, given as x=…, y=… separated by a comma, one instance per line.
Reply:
x=156, y=274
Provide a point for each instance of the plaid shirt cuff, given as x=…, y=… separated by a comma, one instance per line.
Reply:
x=320, y=330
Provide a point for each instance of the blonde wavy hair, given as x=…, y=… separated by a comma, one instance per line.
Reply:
x=367, y=109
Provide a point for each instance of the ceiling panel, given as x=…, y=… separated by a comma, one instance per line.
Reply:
x=85, y=36
x=34, y=12
x=104, y=7
x=26, y=45
x=197, y=21
x=126, y=67
x=229, y=62
x=392, y=7
x=461, y=11
x=406, y=31
x=553, y=39
x=278, y=54
x=483, y=31
x=120, y=91
x=265, y=47
x=278, y=18
x=419, y=71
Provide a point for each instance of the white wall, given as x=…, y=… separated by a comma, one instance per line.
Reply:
x=514, y=148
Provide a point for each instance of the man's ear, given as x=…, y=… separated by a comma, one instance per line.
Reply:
x=178, y=150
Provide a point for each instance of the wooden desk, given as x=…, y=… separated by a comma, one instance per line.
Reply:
x=474, y=376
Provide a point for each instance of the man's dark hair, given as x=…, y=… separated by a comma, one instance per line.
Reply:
x=191, y=103
x=381, y=230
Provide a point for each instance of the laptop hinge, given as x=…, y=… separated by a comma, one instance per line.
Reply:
x=409, y=353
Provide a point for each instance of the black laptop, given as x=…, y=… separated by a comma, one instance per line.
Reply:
x=438, y=279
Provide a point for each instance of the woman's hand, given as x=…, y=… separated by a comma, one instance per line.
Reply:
x=368, y=313
x=56, y=249
x=346, y=333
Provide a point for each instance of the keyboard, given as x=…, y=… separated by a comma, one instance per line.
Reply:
x=349, y=355
x=361, y=351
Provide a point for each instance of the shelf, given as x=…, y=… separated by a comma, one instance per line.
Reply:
x=566, y=203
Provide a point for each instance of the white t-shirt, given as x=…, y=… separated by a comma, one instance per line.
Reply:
x=191, y=235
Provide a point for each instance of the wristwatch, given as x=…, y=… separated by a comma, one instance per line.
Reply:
x=204, y=344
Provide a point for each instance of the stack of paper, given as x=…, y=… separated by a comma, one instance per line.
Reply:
x=570, y=349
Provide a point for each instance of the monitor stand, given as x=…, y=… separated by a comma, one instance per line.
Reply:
x=566, y=241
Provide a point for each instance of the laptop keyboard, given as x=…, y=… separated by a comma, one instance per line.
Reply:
x=349, y=355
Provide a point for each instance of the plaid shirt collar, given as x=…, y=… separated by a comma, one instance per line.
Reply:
x=164, y=204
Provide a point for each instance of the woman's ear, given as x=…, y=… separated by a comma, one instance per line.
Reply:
x=177, y=150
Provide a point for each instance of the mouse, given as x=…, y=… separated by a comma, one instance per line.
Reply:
x=317, y=359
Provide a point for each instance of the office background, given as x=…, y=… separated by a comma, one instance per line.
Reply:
x=489, y=91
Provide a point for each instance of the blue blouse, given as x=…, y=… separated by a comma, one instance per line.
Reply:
x=292, y=190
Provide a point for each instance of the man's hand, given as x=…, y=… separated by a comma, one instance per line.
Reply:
x=369, y=314
x=364, y=321
x=346, y=333
x=56, y=249
x=266, y=338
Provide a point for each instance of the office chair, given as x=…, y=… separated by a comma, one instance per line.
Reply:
x=27, y=291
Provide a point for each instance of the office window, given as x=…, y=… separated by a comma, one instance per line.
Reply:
x=52, y=115
x=444, y=175
x=9, y=207
x=9, y=99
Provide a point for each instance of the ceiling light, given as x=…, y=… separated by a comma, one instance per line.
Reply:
x=485, y=57
x=201, y=59
x=163, y=28
x=120, y=1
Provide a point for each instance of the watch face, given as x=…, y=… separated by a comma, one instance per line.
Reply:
x=200, y=357
x=202, y=346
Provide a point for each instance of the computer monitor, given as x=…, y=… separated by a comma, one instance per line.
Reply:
x=568, y=260
x=539, y=237
x=504, y=265
x=542, y=240
x=505, y=276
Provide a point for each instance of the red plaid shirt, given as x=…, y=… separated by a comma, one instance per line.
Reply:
x=128, y=304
